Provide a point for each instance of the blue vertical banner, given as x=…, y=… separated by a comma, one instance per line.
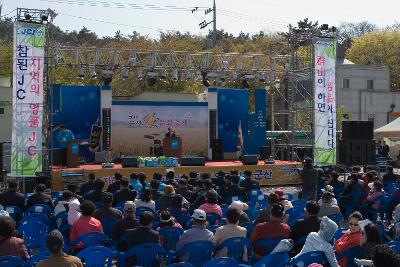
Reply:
x=257, y=122
x=233, y=107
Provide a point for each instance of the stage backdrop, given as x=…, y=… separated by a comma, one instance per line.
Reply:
x=325, y=102
x=133, y=120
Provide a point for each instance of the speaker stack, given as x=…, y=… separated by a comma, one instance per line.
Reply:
x=129, y=162
x=250, y=159
x=217, y=149
x=193, y=161
x=358, y=145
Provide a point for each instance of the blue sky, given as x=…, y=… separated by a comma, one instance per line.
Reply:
x=150, y=17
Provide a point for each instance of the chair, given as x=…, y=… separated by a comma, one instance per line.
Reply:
x=213, y=218
x=299, y=203
x=15, y=212
x=34, y=233
x=308, y=258
x=235, y=248
x=196, y=253
x=91, y=239
x=96, y=256
x=11, y=261
x=340, y=232
x=40, y=208
x=233, y=198
x=355, y=201
x=146, y=255
x=139, y=211
x=222, y=262
x=36, y=258
x=337, y=218
x=280, y=259
x=351, y=254
x=295, y=214
x=170, y=236
x=108, y=225
x=184, y=220
x=268, y=244
x=395, y=245
x=40, y=217
x=300, y=241
x=180, y=264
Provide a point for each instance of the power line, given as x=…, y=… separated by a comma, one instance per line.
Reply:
x=238, y=15
x=2, y=16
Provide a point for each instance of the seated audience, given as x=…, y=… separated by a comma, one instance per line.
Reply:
x=145, y=200
x=55, y=245
x=351, y=238
x=328, y=189
x=114, y=187
x=86, y=223
x=107, y=212
x=73, y=210
x=193, y=179
x=89, y=185
x=396, y=223
x=249, y=183
x=39, y=197
x=302, y=228
x=274, y=228
x=286, y=203
x=231, y=229
x=179, y=205
x=370, y=237
x=158, y=176
x=372, y=198
x=234, y=190
x=170, y=179
x=143, y=233
x=166, y=220
x=74, y=189
x=184, y=191
x=10, y=245
x=63, y=204
x=12, y=197
x=124, y=193
x=142, y=180
x=327, y=206
x=198, y=232
x=128, y=222
x=338, y=186
x=384, y=256
x=211, y=205
x=321, y=241
x=155, y=192
x=389, y=176
x=135, y=183
x=166, y=199
x=263, y=214
x=97, y=194
x=240, y=207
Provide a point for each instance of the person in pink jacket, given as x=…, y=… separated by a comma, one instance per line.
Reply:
x=211, y=205
x=376, y=191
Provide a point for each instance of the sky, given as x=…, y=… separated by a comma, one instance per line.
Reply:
x=105, y=17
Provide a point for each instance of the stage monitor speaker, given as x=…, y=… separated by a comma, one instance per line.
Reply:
x=30, y=184
x=217, y=147
x=193, y=161
x=250, y=159
x=100, y=157
x=265, y=151
x=129, y=162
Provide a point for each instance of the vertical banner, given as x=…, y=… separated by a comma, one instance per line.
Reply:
x=325, y=102
x=28, y=57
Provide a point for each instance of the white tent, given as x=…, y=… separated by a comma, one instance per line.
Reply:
x=391, y=130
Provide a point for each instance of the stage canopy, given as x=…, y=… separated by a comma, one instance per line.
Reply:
x=390, y=130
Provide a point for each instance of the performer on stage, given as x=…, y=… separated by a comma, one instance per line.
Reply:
x=64, y=135
x=170, y=133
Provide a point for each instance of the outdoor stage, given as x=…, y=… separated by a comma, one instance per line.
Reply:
x=279, y=173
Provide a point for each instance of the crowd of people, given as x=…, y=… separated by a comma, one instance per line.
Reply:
x=164, y=202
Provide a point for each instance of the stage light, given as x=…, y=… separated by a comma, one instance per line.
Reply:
x=175, y=75
x=261, y=77
x=188, y=75
x=152, y=78
x=93, y=73
x=125, y=73
x=107, y=76
x=139, y=74
x=81, y=73
x=44, y=17
x=27, y=16
x=164, y=75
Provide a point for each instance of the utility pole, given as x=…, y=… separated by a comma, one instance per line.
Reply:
x=214, y=25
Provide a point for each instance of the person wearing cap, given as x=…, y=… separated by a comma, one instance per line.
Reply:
x=328, y=206
x=198, y=232
x=128, y=222
x=309, y=177
x=286, y=203
x=320, y=241
x=274, y=228
x=124, y=193
x=328, y=189
x=55, y=245
x=240, y=207
x=168, y=221
x=351, y=238
x=9, y=244
x=107, y=212
x=249, y=183
x=86, y=222
x=302, y=228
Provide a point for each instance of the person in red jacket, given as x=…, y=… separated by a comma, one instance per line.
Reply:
x=351, y=238
x=86, y=223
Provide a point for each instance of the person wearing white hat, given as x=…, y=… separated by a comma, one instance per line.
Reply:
x=240, y=207
x=198, y=232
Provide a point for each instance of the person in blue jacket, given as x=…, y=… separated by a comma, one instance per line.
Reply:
x=64, y=135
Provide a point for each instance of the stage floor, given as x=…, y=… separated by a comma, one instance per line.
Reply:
x=278, y=173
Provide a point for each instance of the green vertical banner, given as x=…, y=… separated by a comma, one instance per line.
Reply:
x=325, y=102
x=28, y=68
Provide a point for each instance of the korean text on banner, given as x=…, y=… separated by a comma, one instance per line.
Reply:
x=325, y=102
x=28, y=56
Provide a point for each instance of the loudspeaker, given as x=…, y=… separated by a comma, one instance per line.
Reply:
x=265, y=151
x=357, y=151
x=358, y=130
x=250, y=160
x=30, y=184
x=217, y=146
x=129, y=162
x=193, y=161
